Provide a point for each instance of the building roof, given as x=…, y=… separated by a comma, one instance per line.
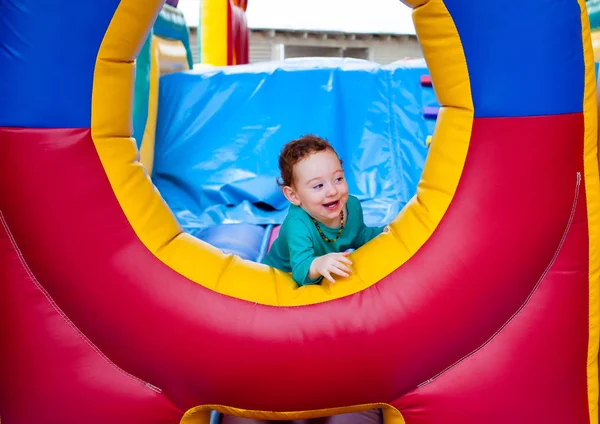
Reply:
x=345, y=16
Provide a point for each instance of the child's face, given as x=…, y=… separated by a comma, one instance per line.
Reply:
x=319, y=187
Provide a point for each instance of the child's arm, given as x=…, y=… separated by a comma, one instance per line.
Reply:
x=366, y=234
x=308, y=268
x=302, y=254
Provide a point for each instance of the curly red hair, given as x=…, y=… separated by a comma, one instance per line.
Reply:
x=296, y=150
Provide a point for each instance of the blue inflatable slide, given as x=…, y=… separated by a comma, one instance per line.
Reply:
x=220, y=131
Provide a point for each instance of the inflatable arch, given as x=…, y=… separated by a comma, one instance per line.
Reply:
x=480, y=305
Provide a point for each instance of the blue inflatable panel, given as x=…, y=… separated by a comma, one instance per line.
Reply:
x=542, y=36
x=244, y=240
x=220, y=132
x=47, y=56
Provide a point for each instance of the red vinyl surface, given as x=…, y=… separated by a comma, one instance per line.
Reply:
x=49, y=369
x=237, y=33
x=491, y=249
x=534, y=369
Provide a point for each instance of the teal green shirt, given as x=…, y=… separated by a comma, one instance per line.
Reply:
x=299, y=241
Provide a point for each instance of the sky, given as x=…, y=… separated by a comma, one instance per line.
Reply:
x=351, y=16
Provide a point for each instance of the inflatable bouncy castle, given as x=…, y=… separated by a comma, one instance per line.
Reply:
x=220, y=131
x=479, y=306
x=166, y=50
x=223, y=40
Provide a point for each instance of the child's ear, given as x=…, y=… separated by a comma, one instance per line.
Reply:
x=291, y=195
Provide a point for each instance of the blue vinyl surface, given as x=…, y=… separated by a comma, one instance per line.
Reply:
x=220, y=132
x=244, y=240
x=525, y=58
x=48, y=53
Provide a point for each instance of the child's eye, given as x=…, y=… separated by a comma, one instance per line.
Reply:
x=339, y=179
x=318, y=186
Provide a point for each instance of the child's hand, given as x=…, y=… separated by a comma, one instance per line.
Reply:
x=332, y=263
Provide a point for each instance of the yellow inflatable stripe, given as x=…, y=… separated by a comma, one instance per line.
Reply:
x=213, y=30
x=158, y=230
x=592, y=189
x=198, y=414
x=172, y=55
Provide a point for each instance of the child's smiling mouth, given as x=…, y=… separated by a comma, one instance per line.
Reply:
x=331, y=205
